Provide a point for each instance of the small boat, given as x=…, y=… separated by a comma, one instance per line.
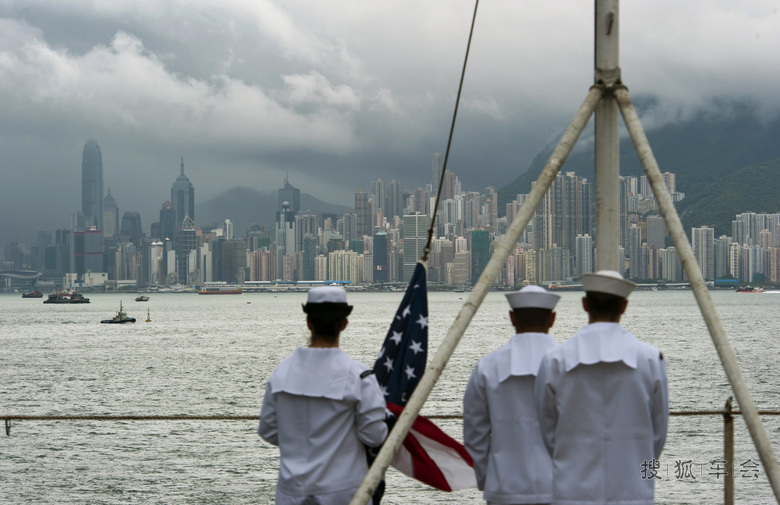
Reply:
x=142, y=298
x=749, y=289
x=120, y=317
x=66, y=296
x=33, y=294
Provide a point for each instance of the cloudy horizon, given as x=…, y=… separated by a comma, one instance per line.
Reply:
x=334, y=94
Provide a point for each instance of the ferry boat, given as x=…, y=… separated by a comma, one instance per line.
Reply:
x=219, y=288
x=66, y=296
x=749, y=289
x=120, y=317
x=33, y=294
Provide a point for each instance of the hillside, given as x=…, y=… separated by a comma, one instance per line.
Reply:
x=751, y=189
x=710, y=145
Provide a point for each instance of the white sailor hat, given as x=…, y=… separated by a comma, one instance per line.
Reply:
x=535, y=297
x=607, y=281
x=327, y=294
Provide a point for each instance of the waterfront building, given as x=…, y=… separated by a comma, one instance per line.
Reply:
x=183, y=197
x=480, y=253
x=415, y=237
x=110, y=216
x=702, y=243
x=92, y=186
x=88, y=251
x=583, y=254
x=656, y=232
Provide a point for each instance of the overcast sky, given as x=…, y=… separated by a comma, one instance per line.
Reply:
x=336, y=93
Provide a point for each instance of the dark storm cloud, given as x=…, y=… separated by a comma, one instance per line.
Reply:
x=335, y=94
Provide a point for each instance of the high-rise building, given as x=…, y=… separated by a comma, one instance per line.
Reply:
x=88, y=251
x=363, y=214
x=395, y=200
x=415, y=238
x=381, y=253
x=656, y=232
x=703, y=243
x=183, y=197
x=435, y=173
x=584, y=254
x=291, y=195
x=379, y=189
x=480, y=253
x=131, y=229
x=92, y=185
x=110, y=216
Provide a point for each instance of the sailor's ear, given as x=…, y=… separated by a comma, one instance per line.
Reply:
x=585, y=303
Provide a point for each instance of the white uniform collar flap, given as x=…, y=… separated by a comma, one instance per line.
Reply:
x=315, y=372
x=600, y=342
x=526, y=351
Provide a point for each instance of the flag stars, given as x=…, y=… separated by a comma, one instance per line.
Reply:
x=406, y=311
x=423, y=321
x=388, y=364
x=410, y=373
x=397, y=335
x=416, y=347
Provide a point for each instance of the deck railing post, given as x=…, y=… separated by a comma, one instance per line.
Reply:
x=728, y=453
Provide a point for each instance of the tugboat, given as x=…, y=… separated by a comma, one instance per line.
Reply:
x=750, y=289
x=33, y=294
x=120, y=317
x=66, y=296
x=142, y=298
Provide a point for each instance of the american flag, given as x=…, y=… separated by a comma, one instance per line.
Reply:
x=428, y=454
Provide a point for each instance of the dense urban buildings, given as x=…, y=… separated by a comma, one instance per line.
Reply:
x=379, y=240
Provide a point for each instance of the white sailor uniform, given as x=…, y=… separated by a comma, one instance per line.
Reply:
x=601, y=398
x=320, y=407
x=501, y=427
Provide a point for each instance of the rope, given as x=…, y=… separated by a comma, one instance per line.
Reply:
x=9, y=418
x=427, y=248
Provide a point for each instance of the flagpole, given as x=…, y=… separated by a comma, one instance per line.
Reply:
x=478, y=293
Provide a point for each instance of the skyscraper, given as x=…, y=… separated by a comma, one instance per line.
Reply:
x=183, y=197
x=92, y=185
x=110, y=215
x=291, y=195
x=363, y=214
x=415, y=238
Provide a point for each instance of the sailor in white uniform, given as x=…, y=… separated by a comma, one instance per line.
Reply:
x=500, y=424
x=601, y=397
x=320, y=407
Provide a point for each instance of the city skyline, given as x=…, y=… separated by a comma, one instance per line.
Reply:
x=253, y=92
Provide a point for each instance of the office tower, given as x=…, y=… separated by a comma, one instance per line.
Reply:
x=435, y=172
x=309, y=253
x=584, y=254
x=702, y=243
x=448, y=189
x=381, y=253
x=284, y=235
x=189, y=239
x=415, y=238
x=131, y=229
x=379, y=190
x=110, y=216
x=88, y=251
x=480, y=253
x=167, y=222
x=291, y=195
x=306, y=223
x=364, y=222
x=656, y=232
x=183, y=198
x=92, y=185
x=395, y=200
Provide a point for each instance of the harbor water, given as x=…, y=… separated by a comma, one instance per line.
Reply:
x=212, y=355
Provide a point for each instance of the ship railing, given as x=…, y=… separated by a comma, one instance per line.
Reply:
x=727, y=412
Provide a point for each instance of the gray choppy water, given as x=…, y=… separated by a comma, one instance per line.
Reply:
x=211, y=355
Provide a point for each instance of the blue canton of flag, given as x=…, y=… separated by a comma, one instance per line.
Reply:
x=401, y=362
